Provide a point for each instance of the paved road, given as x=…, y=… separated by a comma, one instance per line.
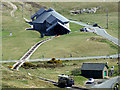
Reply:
x=108, y=83
x=75, y=58
x=101, y=32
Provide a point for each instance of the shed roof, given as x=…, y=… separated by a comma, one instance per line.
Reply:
x=93, y=66
x=48, y=13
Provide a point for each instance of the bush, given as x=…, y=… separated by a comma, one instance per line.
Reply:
x=50, y=65
x=54, y=61
x=57, y=61
x=28, y=65
x=74, y=63
x=76, y=72
x=10, y=66
x=50, y=61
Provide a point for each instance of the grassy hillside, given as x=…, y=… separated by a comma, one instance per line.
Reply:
x=21, y=78
x=99, y=17
x=14, y=47
x=78, y=44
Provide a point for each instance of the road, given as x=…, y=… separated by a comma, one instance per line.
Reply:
x=101, y=32
x=108, y=83
x=75, y=58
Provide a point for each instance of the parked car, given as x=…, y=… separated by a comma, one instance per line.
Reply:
x=85, y=29
x=90, y=81
x=95, y=25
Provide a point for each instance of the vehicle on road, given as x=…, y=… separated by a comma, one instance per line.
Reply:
x=96, y=25
x=85, y=29
x=65, y=81
x=90, y=81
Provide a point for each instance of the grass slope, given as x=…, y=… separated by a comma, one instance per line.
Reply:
x=99, y=17
x=75, y=44
x=21, y=78
x=22, y=40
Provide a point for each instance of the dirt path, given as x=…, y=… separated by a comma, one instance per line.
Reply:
x=14, y=9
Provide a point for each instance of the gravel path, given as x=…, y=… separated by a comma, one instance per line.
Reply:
x=14, y=8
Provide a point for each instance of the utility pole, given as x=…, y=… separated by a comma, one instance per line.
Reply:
x=107, y=16
x=22, y=10
x=30, y=12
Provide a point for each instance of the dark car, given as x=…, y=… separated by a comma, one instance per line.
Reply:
x=95, y=25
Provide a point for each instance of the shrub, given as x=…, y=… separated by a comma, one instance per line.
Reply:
x=53, y=60
x=74, y=63
x=57, y=61
x=50, y=61
x=76, y=71
x=28, y=65
x=49, y=65
x=10, y=66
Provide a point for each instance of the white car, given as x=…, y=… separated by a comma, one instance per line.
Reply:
x=90, y=81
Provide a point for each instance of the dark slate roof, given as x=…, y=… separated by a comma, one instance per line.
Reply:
x=48, y=29
x=51, y=19
x=93, y=66
x=38, y=12
x=48, y=13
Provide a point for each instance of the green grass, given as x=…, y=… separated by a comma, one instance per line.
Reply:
x=22, y=40
x=99, y=17
x=75, y=44
x=21, y=78
x=75, y=27
x=16, y=46
x=80, y=80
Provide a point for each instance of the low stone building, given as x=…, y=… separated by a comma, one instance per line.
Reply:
x=94, y=70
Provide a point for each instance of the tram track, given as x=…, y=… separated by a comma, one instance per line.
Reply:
x=29, y=53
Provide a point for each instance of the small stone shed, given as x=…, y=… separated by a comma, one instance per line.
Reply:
x=94, y=70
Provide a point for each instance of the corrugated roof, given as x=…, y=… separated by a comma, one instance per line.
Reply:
x=93, y=66
x=48, y=13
